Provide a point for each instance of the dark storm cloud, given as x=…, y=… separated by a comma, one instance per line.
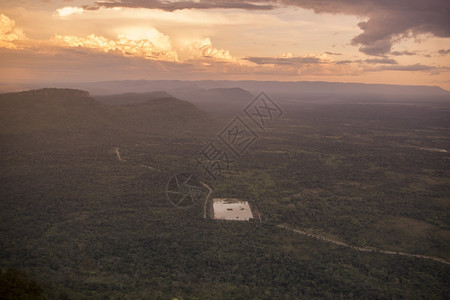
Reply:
x=177, y=5
x=388, y=21
x=284, y=60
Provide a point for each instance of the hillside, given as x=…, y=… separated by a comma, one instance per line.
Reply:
x=52, y=109
x=66, y=113
x=216, y=100
x=131, y=98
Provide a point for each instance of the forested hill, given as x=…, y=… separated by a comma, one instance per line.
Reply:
x=61, y=110
x=68, y=113
x=132, y=98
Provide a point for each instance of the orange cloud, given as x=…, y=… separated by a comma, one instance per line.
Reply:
x=8, y=33
x=203, y=49
x=146, y=43
x=128, y=47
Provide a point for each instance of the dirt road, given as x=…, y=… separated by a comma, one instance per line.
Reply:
x=207, y=198
x=116, y=150
x=328, y=240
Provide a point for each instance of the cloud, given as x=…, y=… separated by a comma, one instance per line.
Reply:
x=345, y=62
x=157, y=38
x=381, y=61
x=185, y=4
x=400, y=53
x=8, y=33
x=127, y=50
x=311, y=65
x=332, y=53
x=384, y=24
x=385, y=64
x=203, y=49
x=288, y=60
x=388, y=22
x=84, y=64
x=81, y=64
x=74, y=64
x=147, y=43
x=444, y=51
x=130, y=47
x=67, y=11
x=415, y=67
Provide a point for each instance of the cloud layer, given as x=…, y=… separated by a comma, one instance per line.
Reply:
x=186, y=4
x=108, y=41
x=141, y=48
x=147, y=43
x=387, y=22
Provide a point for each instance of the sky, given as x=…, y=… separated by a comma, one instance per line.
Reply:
x=403, y=42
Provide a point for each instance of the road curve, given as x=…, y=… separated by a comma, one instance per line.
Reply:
x=116, y=150
x=328, y=240
x=207, y=198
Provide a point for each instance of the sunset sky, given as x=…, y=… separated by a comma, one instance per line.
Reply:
x=369, y=41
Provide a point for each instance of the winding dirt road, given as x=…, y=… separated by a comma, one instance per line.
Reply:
x=116, y=150
x=328, y=240
x=207, y=198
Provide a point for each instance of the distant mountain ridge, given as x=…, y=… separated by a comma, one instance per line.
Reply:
x=215, y=100
x=141, y=86
x=130, y=98
x=46, y=92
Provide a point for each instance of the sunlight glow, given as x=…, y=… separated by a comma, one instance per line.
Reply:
x=140, y=48
x=68, y=10
x=8, y=32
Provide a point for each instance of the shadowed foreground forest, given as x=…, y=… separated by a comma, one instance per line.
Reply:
x=78, y=223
